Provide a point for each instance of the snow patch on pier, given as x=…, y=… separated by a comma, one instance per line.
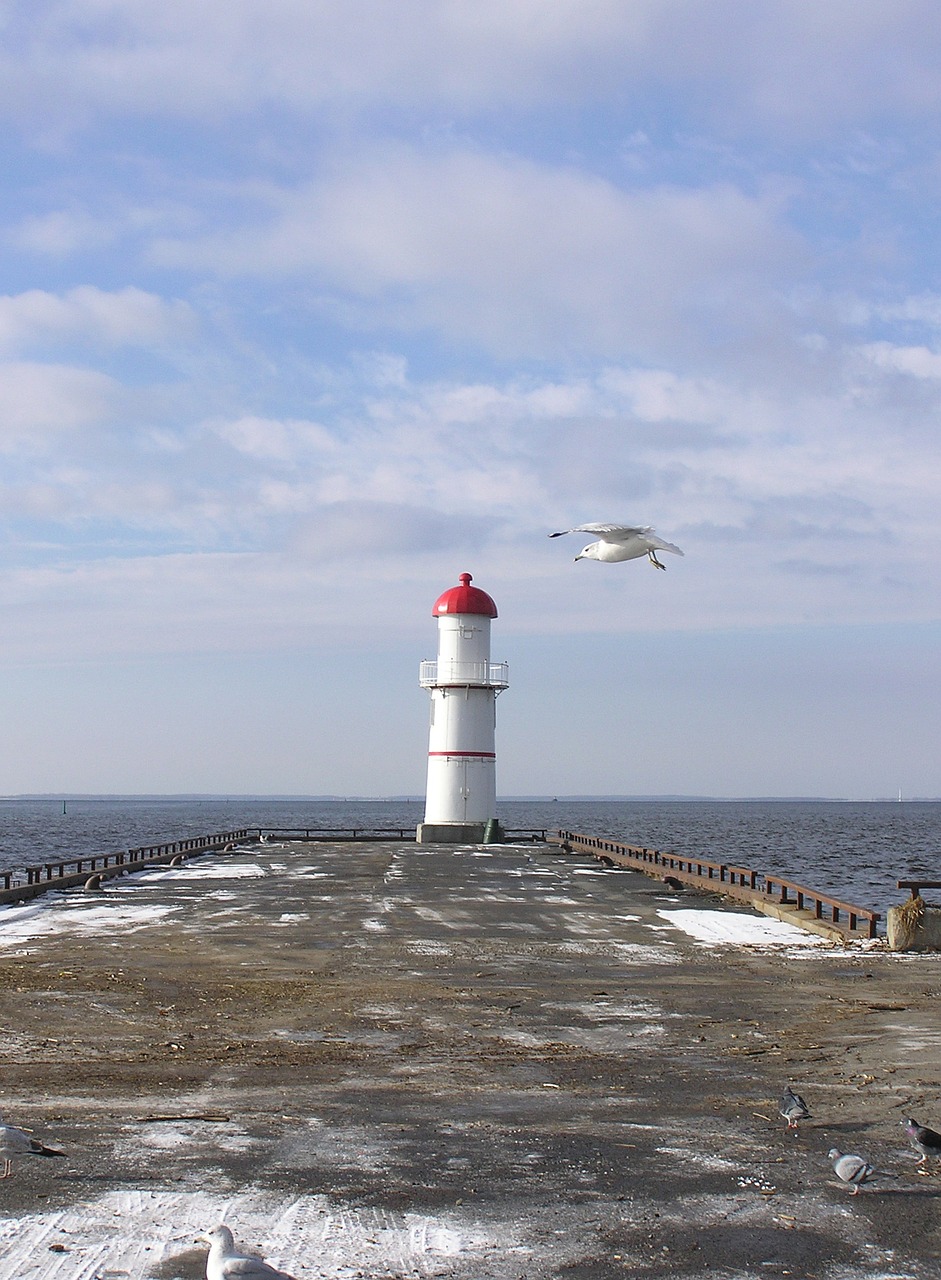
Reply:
x=74, y=916
x=131, y=1235
x=738, y=928
x=204, y=871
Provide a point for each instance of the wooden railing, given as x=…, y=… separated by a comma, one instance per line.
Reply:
x=69, y=872
x=741, y=883
x=916, y=886
x=313, y=834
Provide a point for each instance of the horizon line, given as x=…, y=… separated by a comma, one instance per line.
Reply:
x=415, y=798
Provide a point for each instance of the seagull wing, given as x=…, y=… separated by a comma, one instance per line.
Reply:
x=242, y=1267
x=610, y=532
x=658, y=544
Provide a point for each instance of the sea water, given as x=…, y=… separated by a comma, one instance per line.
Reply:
x=855, y=851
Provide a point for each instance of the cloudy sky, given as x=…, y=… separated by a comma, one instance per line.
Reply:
x=308, y=307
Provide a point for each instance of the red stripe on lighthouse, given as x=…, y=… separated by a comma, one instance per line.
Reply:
x=476, y=755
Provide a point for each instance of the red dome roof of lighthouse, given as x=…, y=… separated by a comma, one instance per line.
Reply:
x=465, y=599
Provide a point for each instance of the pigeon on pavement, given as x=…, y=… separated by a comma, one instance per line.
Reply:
x=793, y=1108
x=925, y=1140
x=853, y=1170
x=226, y=1263
x=17, y=1142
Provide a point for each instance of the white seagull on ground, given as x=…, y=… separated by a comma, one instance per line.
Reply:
x=621, y=542
x=226, y=1263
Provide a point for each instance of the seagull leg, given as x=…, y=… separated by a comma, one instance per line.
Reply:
x=7, y=1169
x=653, y=559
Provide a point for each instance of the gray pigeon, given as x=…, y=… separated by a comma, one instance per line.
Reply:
x=226, y=1263
x=923, y=1139
x=853, y=1170
x=17, y=1142
x=793, y=1108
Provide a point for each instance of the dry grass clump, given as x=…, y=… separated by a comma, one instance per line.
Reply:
x=912, y=912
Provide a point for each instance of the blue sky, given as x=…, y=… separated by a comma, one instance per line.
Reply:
x=307, y=308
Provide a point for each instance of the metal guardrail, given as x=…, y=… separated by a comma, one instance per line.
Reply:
x=67, y=872
x=449, y=671
x=916, y=886
x=740, y=883
x=314, y=834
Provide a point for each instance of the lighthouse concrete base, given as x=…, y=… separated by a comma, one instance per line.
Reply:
x=450, y=832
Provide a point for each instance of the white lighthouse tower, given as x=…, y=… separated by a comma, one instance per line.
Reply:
x=461, y=793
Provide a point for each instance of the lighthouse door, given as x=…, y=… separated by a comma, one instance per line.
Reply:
x=465, y=789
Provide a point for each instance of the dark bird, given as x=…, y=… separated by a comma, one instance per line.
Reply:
x=924, y=1140
x=793, y=1108
x=17, y=1142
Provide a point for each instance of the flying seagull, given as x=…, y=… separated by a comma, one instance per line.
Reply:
x=17, y=1142
x=621, y=542
x=793, y=1108
x=226, y=1263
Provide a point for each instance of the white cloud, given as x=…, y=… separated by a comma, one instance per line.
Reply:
x=272, y=440
x=60, y=233
x=207, y=602
x=125, y=317
x=919, y=309
x=374, y=531
x=918, y=362
x=37, y=399
x=784, y=493
x=794, y=62
x=662, y=395
x=526, y=259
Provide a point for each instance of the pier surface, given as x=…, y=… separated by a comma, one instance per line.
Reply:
x=392, y=1060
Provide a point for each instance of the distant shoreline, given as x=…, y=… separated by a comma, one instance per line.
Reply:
x=235, y=797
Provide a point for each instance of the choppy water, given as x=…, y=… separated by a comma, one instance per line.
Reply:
x=854, y=851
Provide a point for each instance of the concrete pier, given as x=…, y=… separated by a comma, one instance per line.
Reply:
x=392, y=1059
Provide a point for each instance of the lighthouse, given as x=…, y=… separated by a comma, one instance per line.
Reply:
x=461, y=792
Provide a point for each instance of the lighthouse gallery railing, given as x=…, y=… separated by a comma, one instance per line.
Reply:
x=488, y=675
